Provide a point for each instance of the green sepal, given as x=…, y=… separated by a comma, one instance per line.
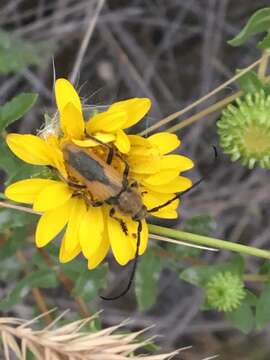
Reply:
x=259, y=22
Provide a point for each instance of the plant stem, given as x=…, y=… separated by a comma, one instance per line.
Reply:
x=175, y=115
x=208, y=241
x=211, y=109
x=257, y=277
x=263, y=65
x=18, y=207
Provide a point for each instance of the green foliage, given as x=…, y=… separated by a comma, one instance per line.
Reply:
x=262, y=308
x=202, y=224
x=89, y=282
x=249, y=82
x=39, y=278
x=16, y=108
x=16, y=54
x=146, y=282
x=258, y=23
x=243, y=317
x=200, y=275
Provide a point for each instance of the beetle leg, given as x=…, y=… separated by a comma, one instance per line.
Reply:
x=121, y=221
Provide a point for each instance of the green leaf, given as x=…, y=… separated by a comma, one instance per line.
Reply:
x=39, y=278
x=200, y=224
x=13, y=243
x=8, y=162
x=89, y=282
x=258, y=23
x=263, y=308
x=16, y=53
x=16, y=108
x=249, y=82
x=146, y=281
x=265, y=43
x=242, y=317
x=11, y=219
x=200, y=275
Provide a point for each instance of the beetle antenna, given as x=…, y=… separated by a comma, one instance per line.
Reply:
x=177, y=196
x=133, y=271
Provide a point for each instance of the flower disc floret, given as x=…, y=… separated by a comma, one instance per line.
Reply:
x=225, y=291
x=244, y=130
x=66, y=205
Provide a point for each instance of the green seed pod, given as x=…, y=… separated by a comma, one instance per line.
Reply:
x=225, y=291
x=244, y=130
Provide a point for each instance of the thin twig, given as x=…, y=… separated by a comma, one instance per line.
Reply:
x=173, y=116
x=211, y=109
x=85, y=41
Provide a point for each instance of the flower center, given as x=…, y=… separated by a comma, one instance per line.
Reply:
x=256, y=139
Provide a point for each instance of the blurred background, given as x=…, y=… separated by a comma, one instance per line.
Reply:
x=173, y=52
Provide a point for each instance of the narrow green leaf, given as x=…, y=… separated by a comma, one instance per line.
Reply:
x=262, y=308
x=146, y=281
x=249, y=82
x=258, y=22
x=40, y=278
x=16, y=108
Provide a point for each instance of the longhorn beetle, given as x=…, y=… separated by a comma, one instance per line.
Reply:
x=97, y=180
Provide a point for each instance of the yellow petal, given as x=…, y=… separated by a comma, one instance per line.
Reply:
x=26, y=191
x=152, y=199
x=53, y=195
x=179, y=162
x=95, y=259
x=64, y=255
x=72, y=236
x=51, y=223
x=162, y=177
x=85, y=143
x=144, y=167
x=136, y=109
x=107, y=121
x=72, y=123
x=65, y=93
x=57, y=155
x=178, y=184
x=165, y=142
x=122, y=142
x=91, y=231
x=165, y=214
x=137, y=140
x=103, y=137
x=121, y=244
x=30, y=148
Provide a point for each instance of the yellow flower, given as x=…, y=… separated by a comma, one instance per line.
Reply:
x=66, y=202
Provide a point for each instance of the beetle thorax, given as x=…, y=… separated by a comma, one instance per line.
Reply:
x=130, y=203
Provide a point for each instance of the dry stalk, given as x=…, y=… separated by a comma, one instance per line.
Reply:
x=71, y=342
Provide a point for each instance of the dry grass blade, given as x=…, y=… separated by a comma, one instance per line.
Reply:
x=71, y=342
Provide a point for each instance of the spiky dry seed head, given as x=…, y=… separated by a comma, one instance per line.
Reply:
x=70, y=342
